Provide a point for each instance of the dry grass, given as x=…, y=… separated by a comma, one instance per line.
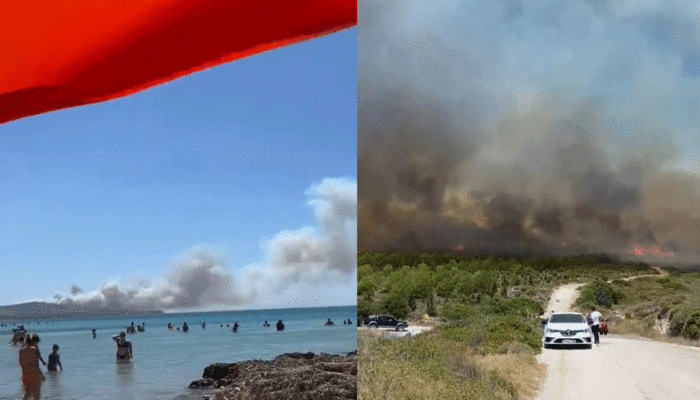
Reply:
x=643, y=330
x=429, y=367
x=518, y=365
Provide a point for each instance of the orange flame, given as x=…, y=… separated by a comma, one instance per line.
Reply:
x=654, y=251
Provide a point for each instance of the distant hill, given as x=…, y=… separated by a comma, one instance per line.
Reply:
x=41, y=310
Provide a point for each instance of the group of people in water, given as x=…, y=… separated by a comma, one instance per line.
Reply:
x=133, y=328
x=29, y=358
x=345, y=322
x=234, y=328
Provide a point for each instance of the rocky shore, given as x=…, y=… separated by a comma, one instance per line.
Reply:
x=293, y=376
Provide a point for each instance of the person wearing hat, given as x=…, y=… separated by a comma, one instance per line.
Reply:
x=124, y=349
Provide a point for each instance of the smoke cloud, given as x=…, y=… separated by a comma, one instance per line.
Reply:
x=316, y=258
x=528, y=126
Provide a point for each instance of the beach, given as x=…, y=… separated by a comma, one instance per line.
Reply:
x=166, y=361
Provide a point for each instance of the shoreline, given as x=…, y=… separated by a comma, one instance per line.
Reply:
x=289, y=375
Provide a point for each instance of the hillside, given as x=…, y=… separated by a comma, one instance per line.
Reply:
x=42, y=310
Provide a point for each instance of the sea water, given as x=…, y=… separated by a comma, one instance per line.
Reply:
x=166, y=361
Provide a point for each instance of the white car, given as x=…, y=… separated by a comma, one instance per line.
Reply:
x=566, y=329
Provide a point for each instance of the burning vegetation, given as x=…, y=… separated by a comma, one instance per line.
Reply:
x=467, y=143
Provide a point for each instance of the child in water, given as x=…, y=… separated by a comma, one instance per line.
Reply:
x=54, y=360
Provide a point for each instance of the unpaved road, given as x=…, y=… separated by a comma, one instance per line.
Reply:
x=620, y=368
x=410, y=331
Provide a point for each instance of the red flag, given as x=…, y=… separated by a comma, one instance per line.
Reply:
x=57, y=54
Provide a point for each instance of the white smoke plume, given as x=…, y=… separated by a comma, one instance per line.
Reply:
x=317, y=257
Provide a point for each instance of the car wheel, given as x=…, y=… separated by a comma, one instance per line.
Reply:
x=400, y=328
x=372, y=326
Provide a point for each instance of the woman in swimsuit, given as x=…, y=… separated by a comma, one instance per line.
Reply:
x=32, y=377
x=124, y=350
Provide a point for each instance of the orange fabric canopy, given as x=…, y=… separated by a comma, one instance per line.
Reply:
x=56, y=54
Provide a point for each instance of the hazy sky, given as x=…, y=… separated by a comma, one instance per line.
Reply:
x=205, y=190
x=513, y=125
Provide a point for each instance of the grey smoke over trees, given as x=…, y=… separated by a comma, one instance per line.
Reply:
x=528, y=125
x=312, y=256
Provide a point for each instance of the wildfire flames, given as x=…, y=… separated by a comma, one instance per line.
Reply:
x=654, y=251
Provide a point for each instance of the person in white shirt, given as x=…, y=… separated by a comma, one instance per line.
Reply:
x=596, y=318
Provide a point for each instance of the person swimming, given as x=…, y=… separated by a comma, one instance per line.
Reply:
x=329, y=322
x=280, y=326
x=266, y=324
x=185, y=328
x=235, y=327
x=94, y=336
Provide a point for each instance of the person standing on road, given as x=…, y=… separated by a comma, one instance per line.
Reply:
x=596, y=319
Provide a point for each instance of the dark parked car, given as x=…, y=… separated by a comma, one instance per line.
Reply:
x=385, y=321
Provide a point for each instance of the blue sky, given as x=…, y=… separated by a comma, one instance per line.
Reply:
x=222, y=161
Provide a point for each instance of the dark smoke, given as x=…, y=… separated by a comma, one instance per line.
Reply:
x=527, y=126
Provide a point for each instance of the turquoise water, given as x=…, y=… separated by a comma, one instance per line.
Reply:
x=166, y=361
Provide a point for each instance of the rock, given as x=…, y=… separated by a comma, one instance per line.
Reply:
x=288, y=376
x=217, y=371
x=203, y=383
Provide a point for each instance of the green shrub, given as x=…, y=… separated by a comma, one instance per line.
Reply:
x=456, y=311
x=620, y=282
x=685, y=322
x=600, y=293
x=364, y=307
x=488, y=333
x=521, y=306
x=396, y=304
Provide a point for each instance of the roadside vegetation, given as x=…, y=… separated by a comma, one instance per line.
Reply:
x=489, y=329
x=661, y=308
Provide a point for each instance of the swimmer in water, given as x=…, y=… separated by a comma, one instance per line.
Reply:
x=32, y=377
x=280, y=325
x=124, y=349
x=54, y=360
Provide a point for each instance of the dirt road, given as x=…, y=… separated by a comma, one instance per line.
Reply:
x=620, y=368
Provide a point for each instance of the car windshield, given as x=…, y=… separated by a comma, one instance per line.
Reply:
x=567, y=318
